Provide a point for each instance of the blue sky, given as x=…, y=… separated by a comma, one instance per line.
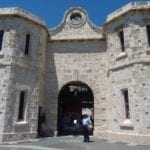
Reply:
x=52, y=11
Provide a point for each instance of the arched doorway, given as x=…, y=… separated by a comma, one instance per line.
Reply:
x=75, y=99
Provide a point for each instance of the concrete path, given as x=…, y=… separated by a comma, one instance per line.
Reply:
x=71, y=143
x=25, y=147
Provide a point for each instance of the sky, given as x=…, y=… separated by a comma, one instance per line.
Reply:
x=52, y=11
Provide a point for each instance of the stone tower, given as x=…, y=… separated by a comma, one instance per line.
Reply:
x=128, y=39
x=22, y=61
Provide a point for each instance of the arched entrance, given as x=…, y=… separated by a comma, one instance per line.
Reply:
x=75, y=99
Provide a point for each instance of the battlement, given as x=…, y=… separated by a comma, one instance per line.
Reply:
x=128, y=7
x=22, y=13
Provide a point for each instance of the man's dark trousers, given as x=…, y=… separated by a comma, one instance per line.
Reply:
x=86, y=133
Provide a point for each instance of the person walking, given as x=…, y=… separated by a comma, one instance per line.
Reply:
x=86, y=122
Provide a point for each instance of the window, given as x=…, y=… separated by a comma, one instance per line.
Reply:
x=121, y=37
x=27, y=44
x=22, y=106
x=75, y=17
x=126, y=102
x=1, y=38
x=148, y=34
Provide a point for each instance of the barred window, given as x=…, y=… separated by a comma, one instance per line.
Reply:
x=121, y=37
x=148, y=34
x=1, y=38
x=22, y=105
x=27, y=44
x=126, y=102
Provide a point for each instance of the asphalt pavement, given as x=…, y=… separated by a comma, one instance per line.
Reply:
x=71, y=143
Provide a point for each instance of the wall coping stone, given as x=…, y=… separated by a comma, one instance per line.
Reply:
x=22, y=13
x=130, y=6
x=128, y=63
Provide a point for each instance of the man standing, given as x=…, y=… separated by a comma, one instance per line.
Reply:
x=86, y=122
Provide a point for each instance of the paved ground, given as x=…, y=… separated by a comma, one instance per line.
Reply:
x=71, y=143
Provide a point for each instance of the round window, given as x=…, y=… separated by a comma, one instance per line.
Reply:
x=76, y=17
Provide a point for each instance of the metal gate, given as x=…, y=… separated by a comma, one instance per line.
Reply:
x=75, y=99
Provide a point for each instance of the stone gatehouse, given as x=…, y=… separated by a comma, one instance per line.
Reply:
x=51, y=77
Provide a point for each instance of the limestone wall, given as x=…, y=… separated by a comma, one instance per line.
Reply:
x=4, y=83
x=135, y=38
x=26, y=73
x=79, y=33
x=78, y=28
x=142, y=98
x=129, y=70
x=5, y=68
x=83, y=61
x=128, y=7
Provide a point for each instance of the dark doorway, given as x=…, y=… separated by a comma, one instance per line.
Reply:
x=39, y=121
x=75, y=98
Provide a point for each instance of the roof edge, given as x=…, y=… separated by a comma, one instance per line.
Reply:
x=137, y=5
x=57, y=29
x=22, y=13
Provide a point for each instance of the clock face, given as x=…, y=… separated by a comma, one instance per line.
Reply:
x=76, y=18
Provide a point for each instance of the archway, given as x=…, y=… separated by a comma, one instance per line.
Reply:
x=75, y=99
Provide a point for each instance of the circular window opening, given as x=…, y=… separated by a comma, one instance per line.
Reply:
x=76, y=17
